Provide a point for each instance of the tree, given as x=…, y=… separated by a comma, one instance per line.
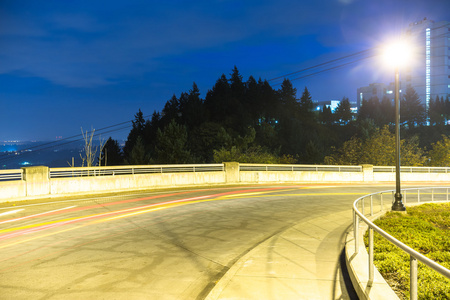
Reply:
x=349, y=154
x=343, y=112
x=206, y=138
x=326, y=116
x=412, y=112
x=255, y=155
x=377, y=150
x=436, y=111
x=288, y=97
x=151, y=130
x=111, y=153
x=171, y=111
x=306, y=103
x=89, y=149
x=137, y=130
x=386, y=113
x=440, y=153
x=237, y=86
x=192, y=110
x=138, y=154
x=171, y=145
x=372, y=109
x=313, y=153
x=216, y=100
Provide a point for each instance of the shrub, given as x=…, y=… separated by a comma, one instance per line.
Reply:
x=426, y=229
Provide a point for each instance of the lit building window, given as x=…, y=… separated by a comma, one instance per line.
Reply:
x=427, y=67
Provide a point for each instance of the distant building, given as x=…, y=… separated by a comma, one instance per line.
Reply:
x=368, y=92
x=430, y=75
x=378, y=90
x=333, y=104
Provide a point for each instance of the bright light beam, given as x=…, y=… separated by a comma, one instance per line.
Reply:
x=397, y=54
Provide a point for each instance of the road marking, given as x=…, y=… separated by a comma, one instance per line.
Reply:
x=114, y=215
x=32, y=216
x=10, y=212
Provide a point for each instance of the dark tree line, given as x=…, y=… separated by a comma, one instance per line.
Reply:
x=249, y=121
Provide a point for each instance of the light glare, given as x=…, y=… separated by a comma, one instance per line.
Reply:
x=397, y=54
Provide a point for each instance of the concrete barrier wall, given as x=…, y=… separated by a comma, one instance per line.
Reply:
x=37, y=182
x=99, y=184
x=12, y=189
x=412, y=177
x=302, y=177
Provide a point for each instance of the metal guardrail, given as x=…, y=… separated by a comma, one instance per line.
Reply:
x=299, y=168
x=7, y=175
x=131, y=170
x=412, y=169
x=416, y=195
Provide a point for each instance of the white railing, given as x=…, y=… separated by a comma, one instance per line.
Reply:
x=132, y=170
x=299, y=168
x=416, y=195
x=17, y=174
x=389, y=169
x=6, y=175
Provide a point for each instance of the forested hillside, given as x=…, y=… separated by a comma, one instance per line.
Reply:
x=250, y=121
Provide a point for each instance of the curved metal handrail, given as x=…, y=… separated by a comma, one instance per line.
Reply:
x=414, y=255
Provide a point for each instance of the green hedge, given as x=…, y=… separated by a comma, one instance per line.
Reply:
x=426, y=229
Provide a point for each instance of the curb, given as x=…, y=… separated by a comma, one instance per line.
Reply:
x=358, y=268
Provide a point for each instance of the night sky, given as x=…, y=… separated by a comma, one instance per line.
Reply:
x=71, y=64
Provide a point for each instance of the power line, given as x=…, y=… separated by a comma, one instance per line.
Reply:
x=322, y=64
x=335, y=67
x=6, y=157
x=58, y=142
x=342, y=58
x=72, y=139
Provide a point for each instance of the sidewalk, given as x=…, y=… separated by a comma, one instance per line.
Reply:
x=299, y=263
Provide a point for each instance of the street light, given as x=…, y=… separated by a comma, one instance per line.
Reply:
x=397, y=55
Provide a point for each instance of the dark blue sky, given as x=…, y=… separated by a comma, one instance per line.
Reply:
x=71, y=64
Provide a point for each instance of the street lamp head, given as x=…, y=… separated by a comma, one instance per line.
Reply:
x=397, y=54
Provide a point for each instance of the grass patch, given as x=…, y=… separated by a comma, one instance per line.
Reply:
x=426, y=229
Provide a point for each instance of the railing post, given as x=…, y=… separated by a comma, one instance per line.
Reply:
x=381, y=197
x=371, y=205
x=371, y=271
x=413, y=278
x=362, y=203
x=356, y=231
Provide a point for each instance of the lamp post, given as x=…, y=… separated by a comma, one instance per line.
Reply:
x=396, y=55
x=398, y=204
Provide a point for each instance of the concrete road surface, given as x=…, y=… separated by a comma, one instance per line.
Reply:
x=244, y=242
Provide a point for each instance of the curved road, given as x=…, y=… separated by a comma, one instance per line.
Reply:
x=171, y=244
